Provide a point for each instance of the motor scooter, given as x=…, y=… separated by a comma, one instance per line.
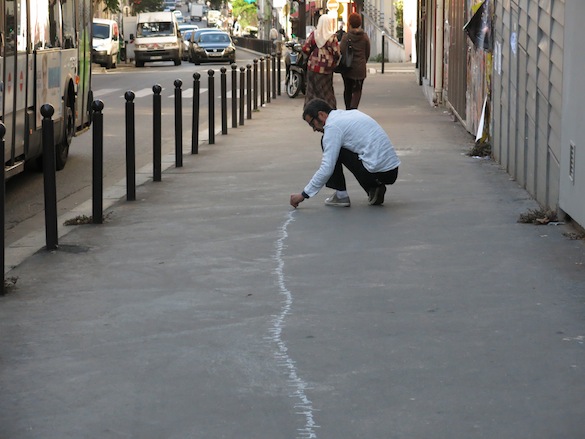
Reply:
x=295, y=62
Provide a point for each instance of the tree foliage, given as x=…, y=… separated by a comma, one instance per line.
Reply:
x=107, y=5
x=113, y=6
x=247, y=13
x=146, y=5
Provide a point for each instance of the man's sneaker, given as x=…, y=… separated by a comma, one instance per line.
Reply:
x=337, y=202
x=376, y=195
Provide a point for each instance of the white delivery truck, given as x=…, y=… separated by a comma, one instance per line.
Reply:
x=105, y=42
x=196, y=12
x=213, y=17
x=157, y=38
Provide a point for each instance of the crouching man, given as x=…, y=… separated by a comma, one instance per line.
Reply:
x=355, y=140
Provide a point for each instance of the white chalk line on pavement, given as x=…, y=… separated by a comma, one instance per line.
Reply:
x=304, y=405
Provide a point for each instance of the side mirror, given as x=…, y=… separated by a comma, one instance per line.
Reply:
x=131, y=37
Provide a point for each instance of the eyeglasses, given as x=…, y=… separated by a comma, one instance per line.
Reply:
x=311, y=122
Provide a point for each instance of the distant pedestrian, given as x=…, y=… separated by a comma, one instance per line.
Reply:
x=340, y=32
x=236, y=29
x=322, y=48
x=353, y=77
x=355, y=140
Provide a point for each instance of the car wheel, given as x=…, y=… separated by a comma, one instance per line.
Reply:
x=178, y=61
x=139, y=63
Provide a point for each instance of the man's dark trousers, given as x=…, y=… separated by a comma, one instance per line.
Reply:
x=365, y=178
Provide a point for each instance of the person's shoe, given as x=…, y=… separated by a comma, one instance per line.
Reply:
x=376, y=195
x=337, y=202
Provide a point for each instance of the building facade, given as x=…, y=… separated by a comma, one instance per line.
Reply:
x=519, y=91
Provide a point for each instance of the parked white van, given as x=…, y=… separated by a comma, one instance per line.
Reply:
x=106, y=42
x=157, y=38
x=213, y=17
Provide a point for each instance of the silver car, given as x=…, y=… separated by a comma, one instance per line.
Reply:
x=213, y=47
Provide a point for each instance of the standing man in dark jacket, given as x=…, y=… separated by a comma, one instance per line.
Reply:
x=353, y=77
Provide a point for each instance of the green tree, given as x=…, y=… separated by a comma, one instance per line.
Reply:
x=108, y=5
x=247, y=13
x=399, y=14
x=146, y=5
x=113, y=6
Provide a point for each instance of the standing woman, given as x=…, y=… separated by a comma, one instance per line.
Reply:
x=323, y=51
x=353, y=77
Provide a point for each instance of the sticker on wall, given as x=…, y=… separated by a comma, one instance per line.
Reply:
x=498, y=57
x=479, y=27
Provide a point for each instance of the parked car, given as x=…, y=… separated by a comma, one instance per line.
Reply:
x=213, y=47
x=179, y=16
x=186, y=34
x=169, y=5
x=185, y=27
x=194, y=37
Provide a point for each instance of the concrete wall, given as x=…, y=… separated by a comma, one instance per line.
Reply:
x=572, y=184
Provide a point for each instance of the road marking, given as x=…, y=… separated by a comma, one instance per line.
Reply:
x=104, y=91
x=145, y=92
x=188, y=92
x=304, y=406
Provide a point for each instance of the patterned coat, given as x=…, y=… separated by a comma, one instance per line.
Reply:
x=324, y=59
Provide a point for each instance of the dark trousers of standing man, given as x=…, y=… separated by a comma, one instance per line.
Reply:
x=365, y=178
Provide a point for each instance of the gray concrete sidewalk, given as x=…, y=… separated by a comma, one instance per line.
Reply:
x=211, y=309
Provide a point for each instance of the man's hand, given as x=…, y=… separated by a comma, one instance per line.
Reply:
x=296, y=199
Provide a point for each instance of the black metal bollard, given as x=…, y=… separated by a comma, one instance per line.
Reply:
x=242, y=85
x=268, y=65
x=278, y=72
x=234, y=95
x=273, y=59
x=156, y=134
x=97, y=167
x=130, y=147
x=211, y=106
x=223, y=86
x=195, y=124
x=178, y=124
x=383, y=47
x=249, y=90
x=2, y=206
x=261, y=81
x=49, y=177
x=255, y=84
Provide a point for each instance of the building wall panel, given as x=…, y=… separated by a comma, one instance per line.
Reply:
x=532, y=80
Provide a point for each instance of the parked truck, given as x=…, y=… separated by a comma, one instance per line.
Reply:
x=157, y=38
x=196, y=12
